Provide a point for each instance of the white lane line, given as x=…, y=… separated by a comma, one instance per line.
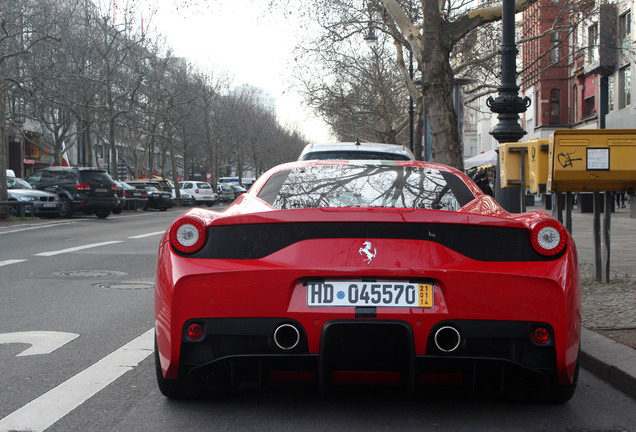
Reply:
x=77, y=248
x=13, y=261
x=41, y=413
x=28, y=228
x=147, y=235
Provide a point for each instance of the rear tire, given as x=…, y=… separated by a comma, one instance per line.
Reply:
x=184, y=387
x=559, y=394
x=66, y=208
x=173, y=389
x=102, y=214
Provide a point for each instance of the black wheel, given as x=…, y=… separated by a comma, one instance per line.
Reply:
x=559, y=394
x=102, y=214
x=185, y=387
x=163, y=209
x=66, y=208
x=209, y=204
x=117, y=210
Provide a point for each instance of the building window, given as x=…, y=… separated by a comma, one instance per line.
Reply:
x=611, y=88
x=624, y=87
x=555, y=106
x=554, y=48
x=625, y=30
x=575, y=104
x=31, y=145
x=592, y=43
x=589, y=107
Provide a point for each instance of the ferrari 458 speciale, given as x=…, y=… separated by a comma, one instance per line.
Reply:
x=397, y=271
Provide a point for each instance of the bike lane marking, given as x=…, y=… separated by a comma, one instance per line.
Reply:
x=77, y=248
x=43, y=412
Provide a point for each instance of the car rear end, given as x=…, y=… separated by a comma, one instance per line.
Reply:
x=204, y=194
x=95, y=191
x=410, y=295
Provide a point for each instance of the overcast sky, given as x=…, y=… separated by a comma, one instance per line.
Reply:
x=243, y=39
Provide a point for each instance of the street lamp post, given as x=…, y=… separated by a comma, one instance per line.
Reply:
x=508, y=104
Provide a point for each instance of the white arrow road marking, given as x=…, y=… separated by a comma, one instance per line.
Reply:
x=13, y=261
x=77, y=248
x=147, y=235
x=41, y=413
x=42, y=342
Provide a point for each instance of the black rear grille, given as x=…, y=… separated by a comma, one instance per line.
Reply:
x=482, y=243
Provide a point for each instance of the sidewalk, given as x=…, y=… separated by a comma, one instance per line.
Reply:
x=608, y=346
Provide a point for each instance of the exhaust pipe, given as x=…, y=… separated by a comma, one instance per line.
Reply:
x=286, y=337
x=447, y=339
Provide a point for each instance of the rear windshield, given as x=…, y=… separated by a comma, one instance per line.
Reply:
x=204, y=186
x=353, y=155
x=366, y=186
x=95, y=177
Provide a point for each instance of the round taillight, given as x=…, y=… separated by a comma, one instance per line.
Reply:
x=195, y=331
x=548, y=237
x=541, y=336
x=188, y=234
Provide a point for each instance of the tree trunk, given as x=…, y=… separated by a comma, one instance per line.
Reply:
x=437, y=88
x=4, y=210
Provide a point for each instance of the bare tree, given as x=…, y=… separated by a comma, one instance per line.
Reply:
x=360, y=95
x=427, y=29
x=22, y=27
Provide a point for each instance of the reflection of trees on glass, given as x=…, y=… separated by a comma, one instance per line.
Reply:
x=365, y=186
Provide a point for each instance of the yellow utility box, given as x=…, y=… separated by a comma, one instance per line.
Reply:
x=510, y=155
x=538, y=152
x=585, y=160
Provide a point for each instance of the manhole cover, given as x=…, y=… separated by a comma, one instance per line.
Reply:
x=125, y=285
x=90, y=273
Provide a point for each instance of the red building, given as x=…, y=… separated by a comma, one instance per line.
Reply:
x=545, y=70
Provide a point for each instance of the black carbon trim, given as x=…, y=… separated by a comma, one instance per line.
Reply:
x=481, y=243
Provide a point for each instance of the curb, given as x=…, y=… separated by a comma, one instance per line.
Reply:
x=610, y=361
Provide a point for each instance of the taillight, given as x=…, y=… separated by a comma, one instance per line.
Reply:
x=541, y=335
x=113, y=187
x=127, y=195
x=548, y=237
x=196, y=191
x=82, y=186
x=195, y=331
x=188, y=234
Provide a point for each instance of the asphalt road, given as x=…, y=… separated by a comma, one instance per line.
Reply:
x=91, y=281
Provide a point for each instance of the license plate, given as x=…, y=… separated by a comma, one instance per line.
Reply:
x=49, y=204
x=382, y=293
x=101, y=190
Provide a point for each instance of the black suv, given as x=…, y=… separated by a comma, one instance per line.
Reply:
x=89, y=190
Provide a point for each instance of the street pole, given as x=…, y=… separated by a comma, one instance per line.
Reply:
x=508, y=104
x=411, y=110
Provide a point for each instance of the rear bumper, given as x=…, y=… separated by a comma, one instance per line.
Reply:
x=84, y=203
x=479, y=298
x=490, y=351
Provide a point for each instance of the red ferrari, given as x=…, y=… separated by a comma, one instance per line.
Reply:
x=359, y=271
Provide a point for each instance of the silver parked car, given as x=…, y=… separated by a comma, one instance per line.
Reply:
x=356, y=151
x=44, y=203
